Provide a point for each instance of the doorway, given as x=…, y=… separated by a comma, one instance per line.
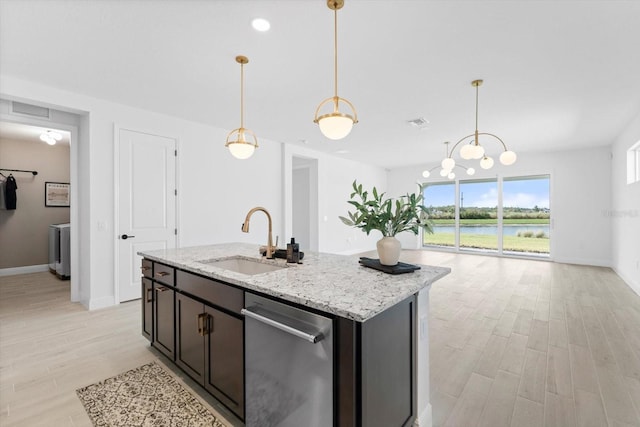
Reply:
x=27, y=119
x=304, y=191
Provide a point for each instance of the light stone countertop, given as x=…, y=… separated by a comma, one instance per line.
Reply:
x=335, y=284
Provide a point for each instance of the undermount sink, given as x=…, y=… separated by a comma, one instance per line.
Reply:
x=243, y=265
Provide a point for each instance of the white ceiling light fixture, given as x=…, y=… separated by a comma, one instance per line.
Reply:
x=50, y=137
x=335, y=125
x=237, y=142
x=472, y=148
x=260, y=24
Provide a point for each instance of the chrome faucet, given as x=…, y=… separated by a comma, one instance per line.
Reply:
x=245, y=229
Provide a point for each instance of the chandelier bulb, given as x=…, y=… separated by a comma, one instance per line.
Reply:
x=508, y=158
x=486, y=162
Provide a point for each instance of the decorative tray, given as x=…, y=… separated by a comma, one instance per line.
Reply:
x=399, y=268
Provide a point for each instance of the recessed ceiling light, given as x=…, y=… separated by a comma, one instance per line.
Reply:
x=260, y=24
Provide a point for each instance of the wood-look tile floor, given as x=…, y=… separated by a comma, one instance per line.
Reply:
x=513, y=343
x=49, y=347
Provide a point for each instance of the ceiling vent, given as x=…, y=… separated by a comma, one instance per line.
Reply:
x=420, y=123
x=29, y=110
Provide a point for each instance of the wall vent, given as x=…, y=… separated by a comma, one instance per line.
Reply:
x=30, y=110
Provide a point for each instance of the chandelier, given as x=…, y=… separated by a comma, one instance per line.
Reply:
x=471, y=148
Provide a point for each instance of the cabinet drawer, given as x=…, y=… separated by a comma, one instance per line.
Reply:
x=163, y=274
x=147, y=268
x=211, y=290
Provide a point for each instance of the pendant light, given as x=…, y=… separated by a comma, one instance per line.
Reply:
x=472, y=148
x=237, y=142
x=335, y=125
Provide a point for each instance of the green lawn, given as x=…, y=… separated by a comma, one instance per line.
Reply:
x=486, y=241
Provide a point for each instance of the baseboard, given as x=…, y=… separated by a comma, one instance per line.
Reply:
x=635, y=286
x=98, y=303
x=425, y=419
x=579, y=261
x=24, y=270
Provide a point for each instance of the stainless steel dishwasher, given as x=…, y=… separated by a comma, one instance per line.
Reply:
x=289, y=365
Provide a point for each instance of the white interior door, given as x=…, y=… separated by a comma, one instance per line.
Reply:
x=147, y=203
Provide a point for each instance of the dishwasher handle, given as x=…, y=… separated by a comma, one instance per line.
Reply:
x=312, y=338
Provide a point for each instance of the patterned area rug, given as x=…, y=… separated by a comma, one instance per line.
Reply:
x=145, y=396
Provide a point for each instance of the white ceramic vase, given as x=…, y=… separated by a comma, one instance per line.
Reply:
x=389, y=250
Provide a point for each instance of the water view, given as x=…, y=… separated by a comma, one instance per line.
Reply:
x=507, y=230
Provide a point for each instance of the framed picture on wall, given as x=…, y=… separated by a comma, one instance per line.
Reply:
x=56, y=195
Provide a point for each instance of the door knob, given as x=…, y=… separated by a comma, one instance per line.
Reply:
x=125, y=237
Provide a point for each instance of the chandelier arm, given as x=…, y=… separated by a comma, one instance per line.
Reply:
x=496, y=137
x=458, y=143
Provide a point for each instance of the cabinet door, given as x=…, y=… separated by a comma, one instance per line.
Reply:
x=147, y=308
x=190, y=330
x=164, y=316
x=225, y=359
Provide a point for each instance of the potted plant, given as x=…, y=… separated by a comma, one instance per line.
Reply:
x=388, y=216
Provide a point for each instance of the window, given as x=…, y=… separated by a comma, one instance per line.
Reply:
x=633, y=163
x=525, y=215
x=440, y=199
x=505, y=216
x=479, y=215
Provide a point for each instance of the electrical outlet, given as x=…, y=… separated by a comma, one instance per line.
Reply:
x=102, y=225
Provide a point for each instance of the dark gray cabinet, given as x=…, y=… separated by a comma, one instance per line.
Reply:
x=164, y=320
x=210, y=349
x=147, y=308
x=375, y=369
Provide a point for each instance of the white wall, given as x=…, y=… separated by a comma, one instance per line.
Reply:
x=215, y=191
x=580, y=198
x=335, y=176
x=625, y=210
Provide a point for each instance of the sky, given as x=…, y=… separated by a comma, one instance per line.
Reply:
x=523, y=193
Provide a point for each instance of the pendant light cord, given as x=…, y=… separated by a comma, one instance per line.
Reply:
x=242, y=95
x=335, y=53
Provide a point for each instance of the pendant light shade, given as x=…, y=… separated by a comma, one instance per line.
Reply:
x=335, y=124
x=237, y=142
x=471, y=148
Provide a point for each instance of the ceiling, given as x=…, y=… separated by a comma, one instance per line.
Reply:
x=558, y=75
x=22, y=132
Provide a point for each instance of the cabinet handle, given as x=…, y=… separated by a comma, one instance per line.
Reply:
x=162, y=273
x=149, y=295
x=161, y=289
x=145, y=268
x=202, y=324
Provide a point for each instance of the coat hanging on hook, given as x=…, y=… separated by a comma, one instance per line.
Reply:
x=10, y=196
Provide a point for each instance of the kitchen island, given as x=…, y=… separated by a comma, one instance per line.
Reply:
x=377, y=344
